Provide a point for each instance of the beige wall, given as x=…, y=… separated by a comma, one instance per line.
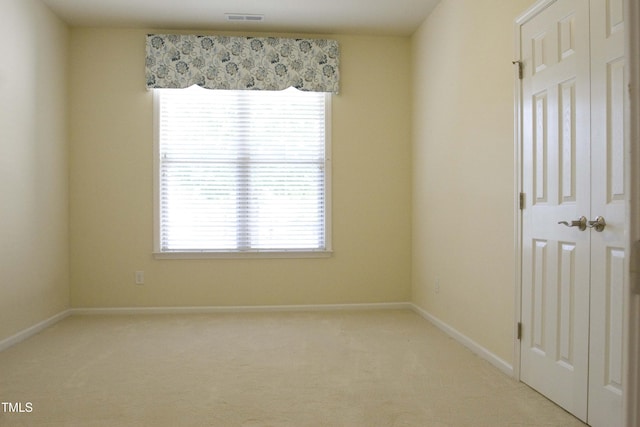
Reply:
x=111, y=188
x=463, y=169
x=34, y=266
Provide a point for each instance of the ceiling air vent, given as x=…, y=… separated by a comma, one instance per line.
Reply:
x=244, y=17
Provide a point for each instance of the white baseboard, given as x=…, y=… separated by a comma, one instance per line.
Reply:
x=241, y=309
x=31, y=331
x=476, y=348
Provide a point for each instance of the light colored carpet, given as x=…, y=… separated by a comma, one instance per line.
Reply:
x=351, y=369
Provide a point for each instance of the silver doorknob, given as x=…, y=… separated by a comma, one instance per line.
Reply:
x=581, y=223
x=597, y=224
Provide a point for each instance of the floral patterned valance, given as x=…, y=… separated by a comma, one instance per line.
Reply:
x=221, y=62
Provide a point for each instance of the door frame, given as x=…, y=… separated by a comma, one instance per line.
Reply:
x=631, y=327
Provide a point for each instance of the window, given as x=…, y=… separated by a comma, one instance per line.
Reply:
x=241, y=172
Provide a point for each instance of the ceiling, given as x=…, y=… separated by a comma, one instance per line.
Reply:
x=370, y=17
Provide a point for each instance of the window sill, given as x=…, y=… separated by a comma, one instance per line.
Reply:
x=243, y=255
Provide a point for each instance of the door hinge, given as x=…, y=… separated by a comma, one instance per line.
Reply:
x=522, y=201
x=520, y=68
x=519, y=331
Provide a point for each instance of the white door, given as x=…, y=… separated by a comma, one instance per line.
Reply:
x=556, y=183
x=573, y=171
x=608, y=199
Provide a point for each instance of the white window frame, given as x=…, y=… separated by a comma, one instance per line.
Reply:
x=204, y=254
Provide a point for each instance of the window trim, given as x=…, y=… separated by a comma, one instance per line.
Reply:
x=223, y=254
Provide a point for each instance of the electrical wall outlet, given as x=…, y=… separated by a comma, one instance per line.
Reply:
x=139, y=277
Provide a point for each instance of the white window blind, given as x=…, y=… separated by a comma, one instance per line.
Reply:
x=241, y=171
